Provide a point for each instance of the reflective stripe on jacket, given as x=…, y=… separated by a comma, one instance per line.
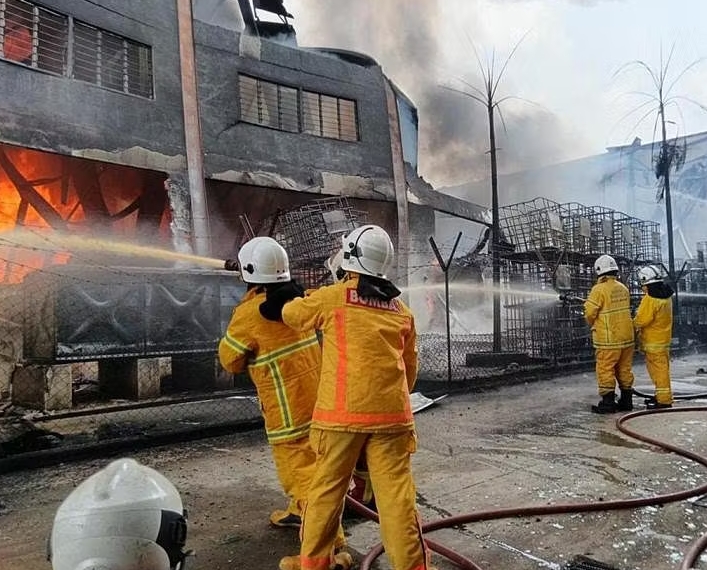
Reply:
x=282, y=363
x=369, y=358
x=654, y=319
x=608, y=312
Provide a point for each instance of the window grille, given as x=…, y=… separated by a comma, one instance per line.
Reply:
x=268, y=104
x=280, y=107
x=46, y=40
x=328, y=116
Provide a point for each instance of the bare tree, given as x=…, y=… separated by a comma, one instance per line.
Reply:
x=488, y=97
x=671, y=153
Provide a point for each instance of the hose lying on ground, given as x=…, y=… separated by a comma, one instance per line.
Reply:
x=693, y=553
x=695, y=396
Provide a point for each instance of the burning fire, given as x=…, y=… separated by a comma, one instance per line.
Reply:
x=44, y=193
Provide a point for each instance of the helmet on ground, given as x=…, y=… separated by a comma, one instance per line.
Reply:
x=368, y=250
x=650, y=274
x=605, y=264
x=263, y=260
x=125, y=517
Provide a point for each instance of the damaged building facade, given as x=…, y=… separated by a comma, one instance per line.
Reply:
x=143, y=122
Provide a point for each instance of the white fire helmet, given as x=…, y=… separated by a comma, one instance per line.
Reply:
x=125, y=517
x=263, y=260
x=605, y=264
x=368, y=250
x=650, y=274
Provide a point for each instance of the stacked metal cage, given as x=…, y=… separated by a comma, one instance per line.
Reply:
x=692, y=293
x=550, y=247
x=311, y=233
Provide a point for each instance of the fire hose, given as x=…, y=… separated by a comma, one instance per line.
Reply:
x=691, y=556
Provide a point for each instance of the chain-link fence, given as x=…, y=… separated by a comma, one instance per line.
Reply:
x=101, y=354
x=75, y=408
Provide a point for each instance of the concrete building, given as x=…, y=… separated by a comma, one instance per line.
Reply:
x=234, y=122
x=180, y=125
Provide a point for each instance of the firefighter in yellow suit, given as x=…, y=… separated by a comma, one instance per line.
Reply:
x=283, y=364
x=369, y=367
x=654, y=326
x=607, y=310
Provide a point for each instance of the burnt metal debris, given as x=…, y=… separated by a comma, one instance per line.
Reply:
x=312, y=232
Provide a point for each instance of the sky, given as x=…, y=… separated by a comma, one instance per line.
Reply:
x=567, y=99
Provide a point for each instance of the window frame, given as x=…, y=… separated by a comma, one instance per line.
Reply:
x=140, y=83
x=346, y=131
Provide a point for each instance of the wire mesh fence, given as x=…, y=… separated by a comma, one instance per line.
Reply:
x=97, y=353
x=101, y=354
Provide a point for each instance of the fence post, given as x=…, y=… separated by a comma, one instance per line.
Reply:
x=445, y=269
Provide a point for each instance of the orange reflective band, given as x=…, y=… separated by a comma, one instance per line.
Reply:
x=341, y=416
x=315, y=563
x=342, y=359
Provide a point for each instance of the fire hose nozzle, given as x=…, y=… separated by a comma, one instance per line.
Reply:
x=568, y=298
x=231, y=265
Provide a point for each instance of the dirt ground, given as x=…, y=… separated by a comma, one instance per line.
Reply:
x=521, y=445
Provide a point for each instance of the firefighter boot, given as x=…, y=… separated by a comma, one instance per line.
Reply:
x=290, y=563
x=342, y=561
x=607, y=404
x=284, y=519
x=625, y=403
x=653, y=404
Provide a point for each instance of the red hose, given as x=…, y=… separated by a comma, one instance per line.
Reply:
x=691, y=556
x=377, y=550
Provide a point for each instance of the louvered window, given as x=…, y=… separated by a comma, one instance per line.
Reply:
x=331, y=117
x=285, y=108
x=46, y=40
x=268, y=104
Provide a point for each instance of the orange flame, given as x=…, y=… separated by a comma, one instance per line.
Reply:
x=47, y=178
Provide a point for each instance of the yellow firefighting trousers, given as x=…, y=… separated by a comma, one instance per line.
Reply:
x=614, y=365
x=388, y=457
x=658, y=366
x=294, y=462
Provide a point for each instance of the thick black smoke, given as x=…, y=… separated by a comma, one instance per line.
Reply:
x=405, y=38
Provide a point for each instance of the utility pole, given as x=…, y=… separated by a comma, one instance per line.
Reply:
x=488, y=97
x=495, y=234
x=666, y=153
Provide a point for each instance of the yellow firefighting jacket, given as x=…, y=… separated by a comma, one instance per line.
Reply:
x=369, y=358
x=654, y=320
x=608, y=312
x=282, y=363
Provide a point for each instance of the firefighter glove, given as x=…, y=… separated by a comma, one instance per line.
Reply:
x=276, y=296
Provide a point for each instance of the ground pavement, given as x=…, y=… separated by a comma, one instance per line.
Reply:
x=516, y=445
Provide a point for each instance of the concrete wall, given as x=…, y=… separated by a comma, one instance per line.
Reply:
x=48, y=112
x=44, y=111
x=57, y=114
x=246, y=153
